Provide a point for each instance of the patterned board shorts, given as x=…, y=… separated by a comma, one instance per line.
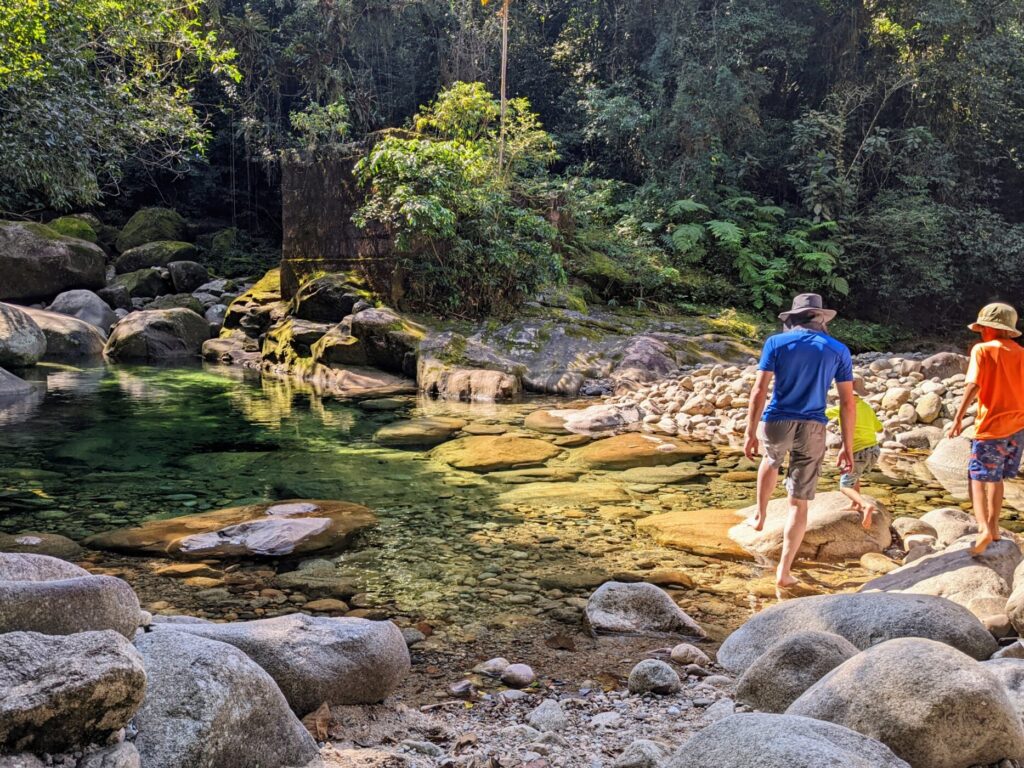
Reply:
x=864, y=461
x=995, y=460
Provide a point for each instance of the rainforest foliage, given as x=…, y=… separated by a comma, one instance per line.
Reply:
x=662, y=152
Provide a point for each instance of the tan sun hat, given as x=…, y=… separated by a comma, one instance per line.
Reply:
x=1002, y=317
x=859, y=386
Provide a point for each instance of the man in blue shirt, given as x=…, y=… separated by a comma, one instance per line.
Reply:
x=804, y=361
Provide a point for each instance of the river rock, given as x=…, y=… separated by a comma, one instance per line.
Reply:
x=121, y=755
x=909, y=526
x=158, y=334
x=22, y=343
x=684, y=654
x=653, y=676
x=948, y=463
x=52, y=544
x=494, y=453
x=148, y=225
x=1010, y=672
x=599, y=419
x=391, y=343
x=469, y=385
x=642, y=753
x=187, y=276
x=85, y=305
x=1015, y=603
x=700, y=531
x=326, y=299
x=38, y=263
x=159, y=253
x=865, y=619
x=944, y=365
x=781, y=741
x=68, y=339
x=789, y=667
x=208, y=704
x=318, y=659
x=140, y=284
x=920, y=438
x=834, y=531
x=44, y=594
x=636, y=450
x=928, y=407
x=61, y=692
x=637, y=608
x=285, y=528
x=932, y=705
x=981, y=584
x=12, y=387
x=427, y=431
x=548, y=716
x=950, y=524
x=547, y=422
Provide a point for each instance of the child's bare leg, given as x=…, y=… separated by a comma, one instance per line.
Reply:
x=767, y=479
x=986, y=496
x=856, y=502
x=867, y=507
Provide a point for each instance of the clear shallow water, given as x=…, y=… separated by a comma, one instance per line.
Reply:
x=110, y=447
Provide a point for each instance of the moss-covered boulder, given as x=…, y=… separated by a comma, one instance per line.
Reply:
x=74, y=226
x=328, y=298
x=292, y=339
x=149, y=225
x=339, y=348
x=142, y=283
x=187, y=276
x=258, y=308
x=158, y=334
x=155, y=254
x=37, y=262
x=174, y=300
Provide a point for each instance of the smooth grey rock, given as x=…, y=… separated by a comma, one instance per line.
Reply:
x=684, y=653
x=948, y=463
x=782, y=673
x=642, y=753
x=22, y=343
x=52, y=544
x=653, y=676
x=548, y=716
x=318, y=659
x=1010, y=672
x=932, y=705
x=61, y=692
x=208, y=704
x=86, y=306
x=43, y=594
x=13, y=387
x=518, y=676
x=781, y=741
x=950, y=524
x=865, y=619
x=636, y=609
x=158, y=334
x=909, y=526
x=68, y=339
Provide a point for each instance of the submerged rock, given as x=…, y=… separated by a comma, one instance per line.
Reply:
x=52, y=544
x=494, y=453
x=317, y=659
x=423, y=432
x=636, y=609
x=158, y=334
x=38, y=262
x=637, y=450
x=208, y=704
x=700, y=531
x=68, y=338
x=43, y=594
x=865, y=619
x=62, y=692
x=929, y=703
x=22, y=343
x=284, y=528
x=834, y=532
x=781, y=741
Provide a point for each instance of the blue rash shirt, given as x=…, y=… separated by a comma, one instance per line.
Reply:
x=805, y=362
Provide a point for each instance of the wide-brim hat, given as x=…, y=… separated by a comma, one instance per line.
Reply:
x=808, y=303
x=1000, y=316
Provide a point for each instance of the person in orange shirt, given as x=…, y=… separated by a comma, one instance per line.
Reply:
x=996, y=379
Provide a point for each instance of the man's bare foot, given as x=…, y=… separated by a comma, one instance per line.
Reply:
x=981, y=544
x=757, y=521
x=869, y=511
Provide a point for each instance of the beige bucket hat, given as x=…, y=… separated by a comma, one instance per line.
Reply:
x=1002, y=317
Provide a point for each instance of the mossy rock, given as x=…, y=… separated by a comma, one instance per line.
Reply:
x=74, y=226
x=177, y=300
x=143, y=283
x=150, y=225
x=155, y=254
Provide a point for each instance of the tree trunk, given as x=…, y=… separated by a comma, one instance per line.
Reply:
x=504, y=75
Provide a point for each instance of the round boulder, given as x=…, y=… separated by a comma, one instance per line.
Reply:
x=318, y=659
x=944, y=365
x=151, y=224
x=68, y=339
x=51, y=544
x=637, y=608
x=865, y=619
x=653, y=676
x=932, y=705
x=782, y=673
x=22, y=343
x=38, y=262
x=781, y=741
x=208, y=704
x=187, y=276
x=85, y=305
x=158, y=334
x=62, y=692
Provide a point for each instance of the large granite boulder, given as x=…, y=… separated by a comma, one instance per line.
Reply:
x=38, y=263
x=865, y=619
x=948, y=463
x=494, y=453
x=949, y=524
x=208, y=704
x=637, y=608
x=781, y=741
x=1010, y=672
x=22, y=342
x=87, y=306
x=834, y=531
x=981, y=584
x=278, y=529
x=636, y=450
x=944, y=365
x=326, y=299
x=149, y=225
x=62, y=692
x=789, y=667
x=932, y=705
x=68, y=339
x=390, y=342
x=317, y=659
x=156, y=335
x=157, y=254
x=43, y=594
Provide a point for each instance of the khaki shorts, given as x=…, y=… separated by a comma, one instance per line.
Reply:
x=804, y=443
